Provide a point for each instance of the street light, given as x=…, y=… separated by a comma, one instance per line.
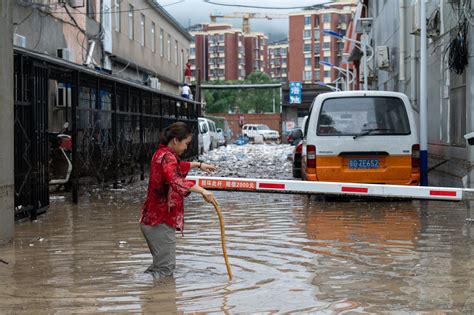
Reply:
x=333, y=88
x=364, y=50
x=347, y=73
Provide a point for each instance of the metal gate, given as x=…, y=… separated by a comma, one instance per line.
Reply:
x=31, y=138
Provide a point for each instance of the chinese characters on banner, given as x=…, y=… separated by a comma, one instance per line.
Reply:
x=221, y=184
x=295, y=92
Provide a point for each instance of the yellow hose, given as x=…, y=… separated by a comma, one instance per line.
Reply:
x=224, y=250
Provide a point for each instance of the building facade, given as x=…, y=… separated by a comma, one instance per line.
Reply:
x=396, y=30
x=145, y=46
x=217, y=53
x=220, y=52
x=308, y=45
x=278, y=61
x=256, y=53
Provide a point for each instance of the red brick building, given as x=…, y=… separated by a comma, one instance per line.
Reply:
x=218, y=52
x=256, y=56
x=308, y=45
x=278, y=61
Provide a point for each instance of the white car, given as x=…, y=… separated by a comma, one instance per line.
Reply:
x=253, y=130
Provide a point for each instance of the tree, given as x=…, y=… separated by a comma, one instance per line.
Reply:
x=247, y=100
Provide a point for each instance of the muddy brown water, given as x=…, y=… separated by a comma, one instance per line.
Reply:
x=288, y=254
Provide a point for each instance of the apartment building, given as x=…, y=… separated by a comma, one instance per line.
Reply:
x=278, y=61
x=308, y=45
x=256, y=56
x=217, y=53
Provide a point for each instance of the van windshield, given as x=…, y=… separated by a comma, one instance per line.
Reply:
x=368, y=116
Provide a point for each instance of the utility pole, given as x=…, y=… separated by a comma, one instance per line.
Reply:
x=7, y=187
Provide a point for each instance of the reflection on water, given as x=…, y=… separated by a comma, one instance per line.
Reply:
x=288, y=254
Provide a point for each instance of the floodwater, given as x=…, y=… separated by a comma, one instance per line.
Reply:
x=288, y=253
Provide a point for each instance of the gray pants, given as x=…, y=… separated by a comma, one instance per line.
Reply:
x=161, y=240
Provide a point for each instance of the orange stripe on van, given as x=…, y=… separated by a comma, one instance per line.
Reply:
x=394, y=169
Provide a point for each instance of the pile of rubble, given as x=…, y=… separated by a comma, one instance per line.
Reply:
x=250, y=161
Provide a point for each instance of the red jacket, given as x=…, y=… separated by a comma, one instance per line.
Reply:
x=167, y=188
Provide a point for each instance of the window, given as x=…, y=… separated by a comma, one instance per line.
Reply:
x=327, y=74
x=221, y=38
x=306, y=34
x=316, y=61
x=169, y=47
x=317, y=75
x=326, y=46
x=283, y=51
x=153, y=37
x=176, y=52
x=307, y=61
x=327, y=18
x=162, y=43
x=307, y=76
x=307, y=20
x=351, y=116
x=283, y=62
x=307, y=48
x=317, y=48
x=130, y=21
x=317, y=34
x=142, y=29
x=117, y=15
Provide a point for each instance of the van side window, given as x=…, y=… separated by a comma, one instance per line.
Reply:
x=348, y=116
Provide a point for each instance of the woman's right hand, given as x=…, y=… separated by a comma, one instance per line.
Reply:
x=208, y=196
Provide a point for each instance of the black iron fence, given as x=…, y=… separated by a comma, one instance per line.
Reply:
x=114, y=124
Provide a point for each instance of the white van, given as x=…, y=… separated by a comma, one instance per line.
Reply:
x=361, y=137
x=205, y=134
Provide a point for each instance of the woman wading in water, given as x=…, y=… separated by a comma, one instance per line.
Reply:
x=163, y=211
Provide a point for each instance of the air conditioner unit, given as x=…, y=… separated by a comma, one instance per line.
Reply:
x=65, y=54
x=155, y=83
x=19, y=40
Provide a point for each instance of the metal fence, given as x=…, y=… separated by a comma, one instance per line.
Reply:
x=115, y=125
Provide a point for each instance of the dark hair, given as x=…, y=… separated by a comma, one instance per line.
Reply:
x=176, y=130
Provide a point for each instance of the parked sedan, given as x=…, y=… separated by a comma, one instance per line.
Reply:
x=295, y=135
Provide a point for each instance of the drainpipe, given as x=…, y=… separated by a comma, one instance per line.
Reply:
x=423, y=97
x=413, y=73
x=401, y=34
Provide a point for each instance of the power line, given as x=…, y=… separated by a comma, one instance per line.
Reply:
x=126, y=11
x=265, y=7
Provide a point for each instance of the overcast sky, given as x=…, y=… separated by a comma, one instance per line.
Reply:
x=190, y=12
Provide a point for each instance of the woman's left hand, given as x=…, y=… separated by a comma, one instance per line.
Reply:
x=208, y=168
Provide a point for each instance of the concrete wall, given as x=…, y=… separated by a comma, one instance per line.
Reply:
x=273, y=121
x=165, y=67
x=6, y=124
x=46, y=32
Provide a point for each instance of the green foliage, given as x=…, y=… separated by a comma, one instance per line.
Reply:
x=248, y=100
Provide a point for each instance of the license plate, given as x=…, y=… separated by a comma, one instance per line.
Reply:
x=363, y=163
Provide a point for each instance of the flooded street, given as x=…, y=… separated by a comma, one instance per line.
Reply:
x=288, y=253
